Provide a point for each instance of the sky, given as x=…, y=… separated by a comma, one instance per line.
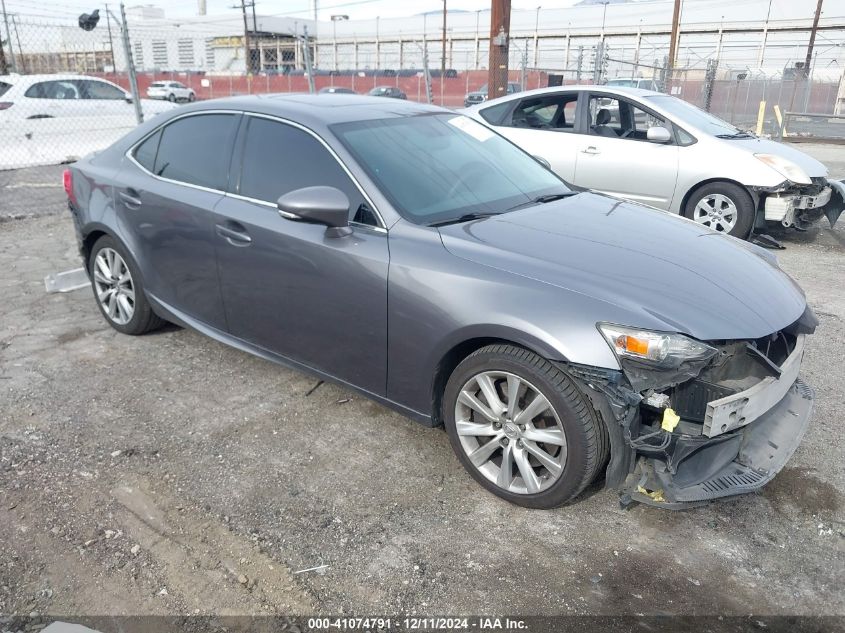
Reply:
x=355, y=9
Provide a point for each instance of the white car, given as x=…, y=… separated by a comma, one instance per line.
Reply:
x=655, y=149
x=60, y=96
x=171, y=90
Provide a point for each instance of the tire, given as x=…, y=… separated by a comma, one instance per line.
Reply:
x=723, y=207
x=191, y=97
x=126, y=309
x=171, y=98
x=578, y=443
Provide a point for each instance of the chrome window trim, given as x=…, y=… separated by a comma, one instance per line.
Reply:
x=259, y=115
x=131, y=151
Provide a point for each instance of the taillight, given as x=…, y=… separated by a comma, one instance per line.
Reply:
x=67, y=181
x=5, y=105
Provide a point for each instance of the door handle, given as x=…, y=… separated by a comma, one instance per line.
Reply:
x=592, y=149
x=130, y=199
x=235, y=236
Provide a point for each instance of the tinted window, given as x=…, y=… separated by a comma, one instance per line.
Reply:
x=145, y=153
x=99, y=90
x=53, y=90
x=438, y=167
x=195, y=150
x=556, y=112
x=4, y=87
x=495, y=114
x=279, y=158
x=617, y=118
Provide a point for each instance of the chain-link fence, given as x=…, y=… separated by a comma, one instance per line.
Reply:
x=65, y=91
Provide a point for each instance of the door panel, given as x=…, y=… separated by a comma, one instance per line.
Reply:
x=286, y=286
x=173, y=232
x=543, y=126
x=171, y=221
x=613, y=157
x=318, y=300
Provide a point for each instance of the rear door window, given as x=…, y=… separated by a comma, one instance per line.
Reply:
x=552, y=112
x=145, y=153
x=53, y=90
x=280, y=158
x=196, y=150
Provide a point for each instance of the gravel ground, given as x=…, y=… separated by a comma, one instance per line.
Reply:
x=169, y=474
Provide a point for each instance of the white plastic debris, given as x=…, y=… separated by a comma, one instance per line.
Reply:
x=66, y=281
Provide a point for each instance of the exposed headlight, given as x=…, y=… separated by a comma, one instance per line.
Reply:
x=660, y=349
x=785, y=168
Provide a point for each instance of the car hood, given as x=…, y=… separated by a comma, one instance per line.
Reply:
x=810, y=165
x=648, y=268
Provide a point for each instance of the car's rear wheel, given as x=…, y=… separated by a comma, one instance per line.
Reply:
x=118, y=289
x=722, y=206
x=522, y=428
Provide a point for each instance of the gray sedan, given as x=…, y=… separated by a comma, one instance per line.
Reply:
x=420, y=259
x=656, y=149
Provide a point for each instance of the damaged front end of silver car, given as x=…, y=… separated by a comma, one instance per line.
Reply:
x=691, y=421
x=802, y=206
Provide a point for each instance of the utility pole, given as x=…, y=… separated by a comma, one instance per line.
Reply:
x=20, y=48
x=809, y=59
x=673, y=42
x=443, y=54
x=247, y=60
x=4, y=69
x=306, y=50
x=130, y=65
x=765, y=37
x=111, y=42
x=9, y=36
x=497, y=69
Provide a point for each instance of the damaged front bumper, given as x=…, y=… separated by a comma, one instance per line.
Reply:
x=804, y=206
x=731, y=429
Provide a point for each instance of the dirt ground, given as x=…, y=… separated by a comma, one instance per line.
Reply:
x=168, y=474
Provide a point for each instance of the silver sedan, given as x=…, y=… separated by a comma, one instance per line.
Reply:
x=658, y=150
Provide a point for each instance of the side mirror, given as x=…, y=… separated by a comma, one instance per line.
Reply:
x=321, y=205
x=128, y=98
x=658, y=134
x=543, y=162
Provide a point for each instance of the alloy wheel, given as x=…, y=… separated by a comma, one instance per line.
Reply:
x=114, y=287
x=510, y=432
x=717, y=212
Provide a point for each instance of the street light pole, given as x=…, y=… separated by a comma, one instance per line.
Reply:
x=536, y=34
x=335, y=19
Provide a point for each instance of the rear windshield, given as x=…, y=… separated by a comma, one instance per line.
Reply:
x=4, y=87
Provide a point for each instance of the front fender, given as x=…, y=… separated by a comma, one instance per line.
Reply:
x=833, y=209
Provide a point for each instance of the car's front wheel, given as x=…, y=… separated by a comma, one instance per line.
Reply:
x=191, y=97
x=522, y=428
x=171, y=98
x=118, y=289
x=722, y=206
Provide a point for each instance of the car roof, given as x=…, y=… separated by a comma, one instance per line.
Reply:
x=15, y=78
x=539, y=92
x=315, y=110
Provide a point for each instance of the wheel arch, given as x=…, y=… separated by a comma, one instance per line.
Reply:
x=755, y=198
x=452, y=354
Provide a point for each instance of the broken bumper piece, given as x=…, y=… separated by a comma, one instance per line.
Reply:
x=700, y=469
x=802, y=209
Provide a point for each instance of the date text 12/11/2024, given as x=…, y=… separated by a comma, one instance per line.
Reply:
x=413, y=623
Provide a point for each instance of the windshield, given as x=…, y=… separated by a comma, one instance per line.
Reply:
x=439, y=167
x=4, y=87
x=688, y=113
x=625, y=83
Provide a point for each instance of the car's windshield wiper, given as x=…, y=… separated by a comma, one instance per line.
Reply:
x=464, y=218
x=736, y=135
x=549, y=197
